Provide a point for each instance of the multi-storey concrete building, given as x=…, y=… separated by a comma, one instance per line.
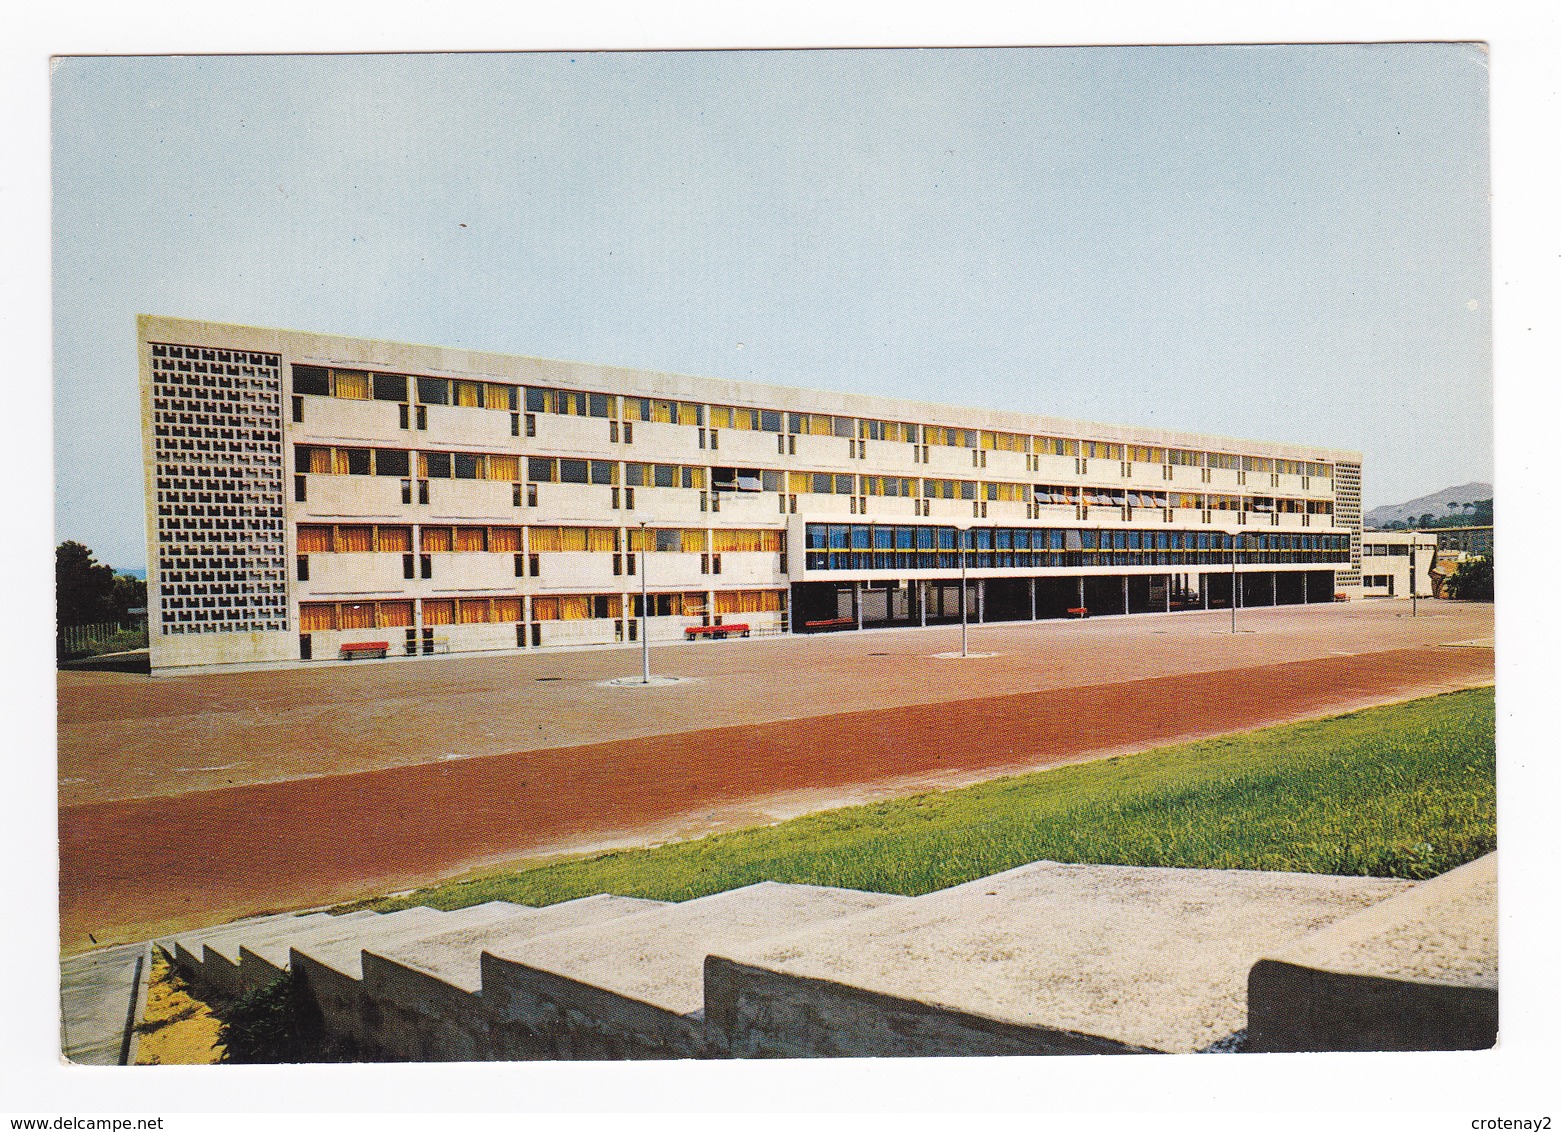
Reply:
x=1398, y=563
x=307, y=492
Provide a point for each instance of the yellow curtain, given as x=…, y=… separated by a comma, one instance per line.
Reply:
x=314, y=540
x=498, y=396
x=320, y=461
x=575, y=607
x=693, y=541
x=355, y=539
x=422, y=465
x=396, y=540
x=468, y=394
x=353, y=384
x=504, y=468
x=506, y=609
x=545, y=540
x=471, y=538
x=438, y=611
x=505, y=540
x=697, y=479
x=357, y=615
x=316, y=616
x=602, y=539
x=544, y=609
x=339, y=463
x=688, y=414
x=395, y=614
x=720, y=416
x=473, y=610
x=572, y=539
x=741, y=542
x=661, y=411
x=747, y=601
x=436, y=539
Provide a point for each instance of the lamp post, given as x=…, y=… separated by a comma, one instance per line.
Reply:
x=964, y=597
x=1235, y=538
x=644, y=607
x=1414, y=588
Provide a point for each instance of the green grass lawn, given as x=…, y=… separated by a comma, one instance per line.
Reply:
x=1403, y=791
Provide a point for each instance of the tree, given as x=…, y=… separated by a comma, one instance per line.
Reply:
x=1474, y=580
x=88, y=592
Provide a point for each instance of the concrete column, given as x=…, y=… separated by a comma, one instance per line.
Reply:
x=1081, y=592
x=1032, y=599
x=921, y=601
x=981, y=602
x=525, y=615
x=709, y=607
x=1168, y=578
x=856, y=602
x=1127, y=604
x=1273, y=587
x=1306, y=587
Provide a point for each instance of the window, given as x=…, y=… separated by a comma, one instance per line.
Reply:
x=314, y=380
x=390, y=387
x=392, y=462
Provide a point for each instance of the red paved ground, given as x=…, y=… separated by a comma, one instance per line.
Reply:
x=135, y=867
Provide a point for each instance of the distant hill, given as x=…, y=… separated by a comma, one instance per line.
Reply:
x=1435, y=505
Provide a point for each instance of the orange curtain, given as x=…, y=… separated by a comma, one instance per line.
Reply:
x=314, y=540
x=438, y=611
x=316, y=617
x=396, y=540
x=474, y=610
x=357, y=615
x=504, y=540
x=436, y=539
x=395, y=614
x=354, y=539
x=471, y=538
x=506, y=609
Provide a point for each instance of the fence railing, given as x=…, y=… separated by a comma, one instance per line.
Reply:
x=88, y=638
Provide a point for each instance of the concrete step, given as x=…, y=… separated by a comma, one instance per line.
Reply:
x=187, y=950
x=633, y=987
x=330, y=968
x=222, y=972
x=1417, y=972
x=1045, y=958
x=263, y=957
x=428, y=990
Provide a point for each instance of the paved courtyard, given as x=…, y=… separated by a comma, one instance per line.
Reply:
x=195, y=798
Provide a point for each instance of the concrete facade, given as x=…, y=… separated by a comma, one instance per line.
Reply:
x=307, y=492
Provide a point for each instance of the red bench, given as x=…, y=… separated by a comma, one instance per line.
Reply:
x=829, y=623
x=351, y=650
x=1078, y=611
x=719, y=632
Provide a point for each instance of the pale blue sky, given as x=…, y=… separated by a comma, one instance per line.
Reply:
x=1286, y=242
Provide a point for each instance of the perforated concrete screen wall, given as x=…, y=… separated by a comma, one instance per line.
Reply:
x=217, y=448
